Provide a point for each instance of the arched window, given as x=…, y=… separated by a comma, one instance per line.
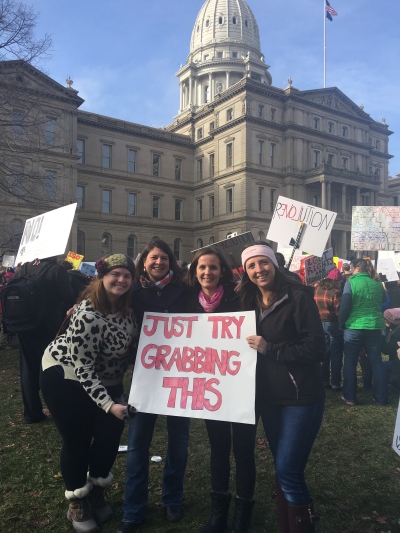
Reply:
x=206, y=94
x=234, y=20
x=261, y=236
x=199, y=243
x=131, y=246
x=80, y=246
x=106, y=244
x=212, y=240
x=177, y=249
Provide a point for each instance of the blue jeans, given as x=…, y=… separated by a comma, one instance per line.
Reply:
x=141, y=428
x=354, y=340
x=332, y=366
x=291, y=431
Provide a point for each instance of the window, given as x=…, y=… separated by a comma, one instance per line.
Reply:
x=260, y=111
x=131, y=160
x=371, y=170
x=212, y=165
x=220, y=55
x=50, y=185
x=212, y=204
x=207, y=23
x=199, y=243
x=345, y=162
x=220, y=87
x=106, y=156
x=132, y=203
x=206, y=94
x=106, y=244
x=131, y=247
x=229, y=155
x=272, y=199
x=17, y=124
x=206, y=57
x=199, y=210
x=246, y=23
x=377, y=145
x=177, y=249
x=330, y=160
x=345, y=131
x=178, y=169
x=234, y=20
x=272, y=114
x=330, y=127
x=156, y=207
x=234, y=55
x=229, y=200
x=200, y=168
x=212, y=126
x=272, y=154
x=80, y=248
x=178, y=209
x=229, y=114
x=212, y=240
x=315, y=200
x=261, y=236
x=378, y=172
x=156, y=164
x=260, y=198
x=316, y=154
x=220, y=20
x=80, y=146
x=260, y=152
x=199, y=134
x=395, y=200
x=106, y=201
x=50, y=131
x=316, y=123
x=80, y=197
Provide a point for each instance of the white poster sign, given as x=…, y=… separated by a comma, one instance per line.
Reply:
x=46, y=235
x=286, y=251
x=285, y=225
x=318, y=268
x=396, y=436
x=375, y=228
x=196, y=365
x=232, y=248
x=8, y=261
x=387, y=268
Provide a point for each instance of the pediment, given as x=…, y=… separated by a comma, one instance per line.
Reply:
x=333, y=98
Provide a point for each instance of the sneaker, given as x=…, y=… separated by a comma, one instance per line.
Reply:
x=347, y=402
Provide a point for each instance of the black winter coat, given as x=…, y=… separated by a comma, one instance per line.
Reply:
x=289, y=372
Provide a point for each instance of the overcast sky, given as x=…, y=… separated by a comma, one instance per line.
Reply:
x=123, y=55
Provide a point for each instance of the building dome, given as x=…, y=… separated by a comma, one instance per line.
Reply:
x=225, y=21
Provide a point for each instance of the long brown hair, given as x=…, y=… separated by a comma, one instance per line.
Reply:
x=96, y=294
x=173, y=265
x=365, y=265
x=191, y=279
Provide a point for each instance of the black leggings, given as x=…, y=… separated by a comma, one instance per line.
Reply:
x=90, y=436
x=243, y=443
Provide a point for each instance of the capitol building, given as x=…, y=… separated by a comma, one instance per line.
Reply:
x=236, y=144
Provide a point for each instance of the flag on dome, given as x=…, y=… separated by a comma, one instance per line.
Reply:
x=330, y=12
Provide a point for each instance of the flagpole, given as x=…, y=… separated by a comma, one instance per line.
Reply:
x=324, y=44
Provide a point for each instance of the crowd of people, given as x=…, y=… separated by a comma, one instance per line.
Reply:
x=307, y=339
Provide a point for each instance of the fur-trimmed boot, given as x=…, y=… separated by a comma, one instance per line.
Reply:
x=79, y=512
x=282, y=506
x=242, y=515
x=302, y=518
x=219, y=513
x=100, y=507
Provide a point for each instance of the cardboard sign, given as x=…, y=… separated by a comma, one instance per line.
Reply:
x=232, y=248
x=375, y=228
x=46, y=235
x=8, y=261
x=387, y=268
x=196, y=365
x=88, y=268
x=298, y=262
x=396, y=436
x=318, y=268
x=75, y=259
x=285, y=225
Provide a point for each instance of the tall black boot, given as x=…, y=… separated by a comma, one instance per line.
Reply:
x=302, y=518
x=282, y=505
x=219, y=513
x=242, y=516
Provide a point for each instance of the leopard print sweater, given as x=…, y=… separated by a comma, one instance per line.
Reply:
x=93, y=350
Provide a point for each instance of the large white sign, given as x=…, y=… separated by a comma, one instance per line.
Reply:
x=285, y=225
x=375, y=228
x=46, y=235
x=232, y=248
x=396, y=436
x=196, y=365
x=318, y=268
x=387, y=268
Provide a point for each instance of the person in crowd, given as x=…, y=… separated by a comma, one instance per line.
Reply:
x=82, y=386
x=361, y=318
x=32, y=343
x=390, y=346
x=280, y=258
x=159, y=288
x=211, y=279
x=290, y=392
x=3, y=334
x=346, y=271
x=327, y=295
x=79, y=280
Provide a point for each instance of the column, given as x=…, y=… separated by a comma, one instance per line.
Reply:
x=328, y=195
x=195, y=92
x=190, y=91
x=210, y=82
x=343, y=252
x=372, y=198
x=343, y=199
x=323, y=194
x=358, y=196
x=180, y=96
x=227, y=79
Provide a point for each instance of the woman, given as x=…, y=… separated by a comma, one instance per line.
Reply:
x=81, y=381
x=362, y=320
x=159, y=288
x=211, y=278
x=289, y=389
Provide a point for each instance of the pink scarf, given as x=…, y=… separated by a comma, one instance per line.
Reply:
x=211, y=304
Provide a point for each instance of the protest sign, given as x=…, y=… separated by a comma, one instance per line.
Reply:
x=232, y=248
x=318, y=268
x=46, y=235
x=286, y=221
x=196, y=365
x=396, y=436
x=387, y=268
x=286, y=251
x=88, y=268
x=375, y=228
x=74, y=259
x=298, y=262
x=8, y=261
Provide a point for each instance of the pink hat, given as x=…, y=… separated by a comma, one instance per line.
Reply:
x=335, y=275
x=9, y=275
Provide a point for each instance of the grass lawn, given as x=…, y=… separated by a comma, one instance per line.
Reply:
x=353, y=473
